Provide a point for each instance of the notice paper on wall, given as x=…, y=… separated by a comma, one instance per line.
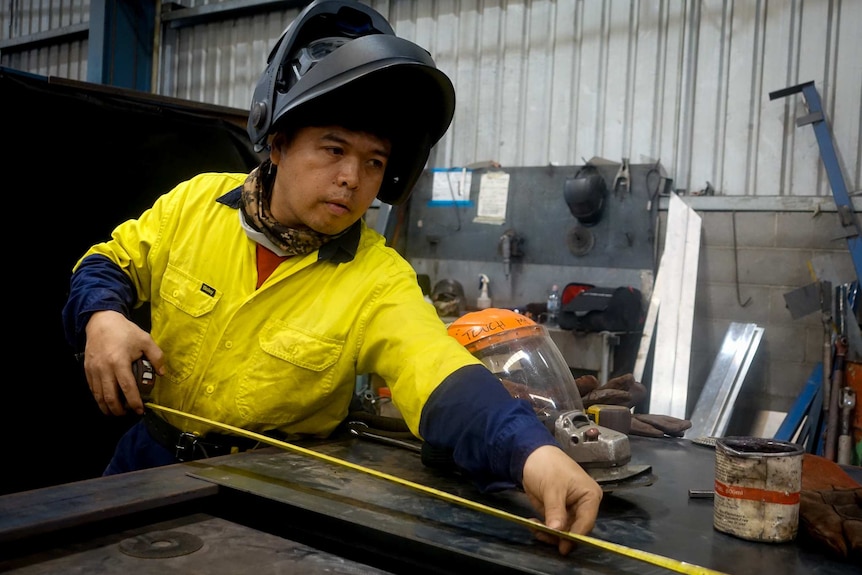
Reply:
x=451, y=186
x=493, y=198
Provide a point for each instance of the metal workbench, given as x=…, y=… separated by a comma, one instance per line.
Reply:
x=276, y=511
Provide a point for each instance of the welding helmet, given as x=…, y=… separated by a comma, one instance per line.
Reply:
x=585, y=195
x=340, y=63
x=448, y=297
x=522, y=354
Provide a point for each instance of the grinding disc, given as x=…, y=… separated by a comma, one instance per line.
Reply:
x=161, y=544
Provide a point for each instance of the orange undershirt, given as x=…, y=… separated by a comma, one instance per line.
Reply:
x=267, y=261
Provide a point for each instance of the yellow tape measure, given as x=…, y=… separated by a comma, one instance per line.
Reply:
x=647, y=557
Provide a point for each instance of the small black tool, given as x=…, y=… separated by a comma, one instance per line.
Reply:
x=145, y=376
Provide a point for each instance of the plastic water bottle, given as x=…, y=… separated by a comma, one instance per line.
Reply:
x=553, y=304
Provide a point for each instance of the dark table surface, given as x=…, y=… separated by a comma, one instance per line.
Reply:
x=294, y=512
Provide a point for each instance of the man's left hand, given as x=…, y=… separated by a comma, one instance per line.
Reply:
x=563, y=493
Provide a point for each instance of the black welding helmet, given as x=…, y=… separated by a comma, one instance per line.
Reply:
x=339, y=62
x=585, y=195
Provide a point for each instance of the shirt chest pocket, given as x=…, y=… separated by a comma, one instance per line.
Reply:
x=180, y=324
x=292, y=374
x=187, y=293
x=305, y=350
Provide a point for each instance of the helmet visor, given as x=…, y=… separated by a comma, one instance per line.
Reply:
x=531, y=368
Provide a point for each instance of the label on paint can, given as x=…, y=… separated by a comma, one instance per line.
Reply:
x=757, y=488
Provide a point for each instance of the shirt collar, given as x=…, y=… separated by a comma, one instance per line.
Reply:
x=340, y=250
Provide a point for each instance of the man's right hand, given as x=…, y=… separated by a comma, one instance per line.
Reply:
x=113, y=343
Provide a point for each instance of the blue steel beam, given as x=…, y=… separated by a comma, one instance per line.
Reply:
x=121, y=38
x=805, y=416
x=817, y=117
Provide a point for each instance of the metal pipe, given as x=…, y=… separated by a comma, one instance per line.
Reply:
x=826, y=317
x=834, y=398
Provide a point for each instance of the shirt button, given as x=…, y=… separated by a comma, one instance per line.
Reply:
x=210, y=389
x=228, y=344
x=176, y=293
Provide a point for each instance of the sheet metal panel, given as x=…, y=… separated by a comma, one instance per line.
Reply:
x=677, y=280
x=288, y=494
x=195, y=543
x=712, y=412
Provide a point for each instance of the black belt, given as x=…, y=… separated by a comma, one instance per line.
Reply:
x=189, y=446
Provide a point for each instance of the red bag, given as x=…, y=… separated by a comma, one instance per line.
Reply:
x=571, y=290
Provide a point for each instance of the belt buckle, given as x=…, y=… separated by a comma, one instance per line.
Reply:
x=186, y=445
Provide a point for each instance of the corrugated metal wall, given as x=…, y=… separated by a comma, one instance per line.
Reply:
x=37, y=19
x=557, y=82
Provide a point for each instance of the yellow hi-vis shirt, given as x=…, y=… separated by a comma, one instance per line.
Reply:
x=285, y=356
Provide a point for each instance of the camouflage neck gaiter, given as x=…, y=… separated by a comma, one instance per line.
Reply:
x=256, y=193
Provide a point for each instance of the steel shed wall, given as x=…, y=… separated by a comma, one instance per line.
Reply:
x=557, y=82
x=39, y=18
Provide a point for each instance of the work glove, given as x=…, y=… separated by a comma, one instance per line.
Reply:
x=622, y=390
x=830, y=508
x=649, y=425
x=834, y=519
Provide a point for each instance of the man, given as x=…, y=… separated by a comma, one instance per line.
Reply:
x=269, y=294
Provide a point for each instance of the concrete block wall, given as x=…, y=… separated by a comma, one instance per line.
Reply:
x=773, y=253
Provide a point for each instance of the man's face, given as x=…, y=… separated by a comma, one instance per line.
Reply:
x=327, y=177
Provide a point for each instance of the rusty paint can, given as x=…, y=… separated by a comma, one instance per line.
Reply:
x=757, y=487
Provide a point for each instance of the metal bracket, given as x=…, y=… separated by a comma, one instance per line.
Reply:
x=817, y=118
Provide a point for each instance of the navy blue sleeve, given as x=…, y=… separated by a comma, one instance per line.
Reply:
x=98, y=284
x=489, y=432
